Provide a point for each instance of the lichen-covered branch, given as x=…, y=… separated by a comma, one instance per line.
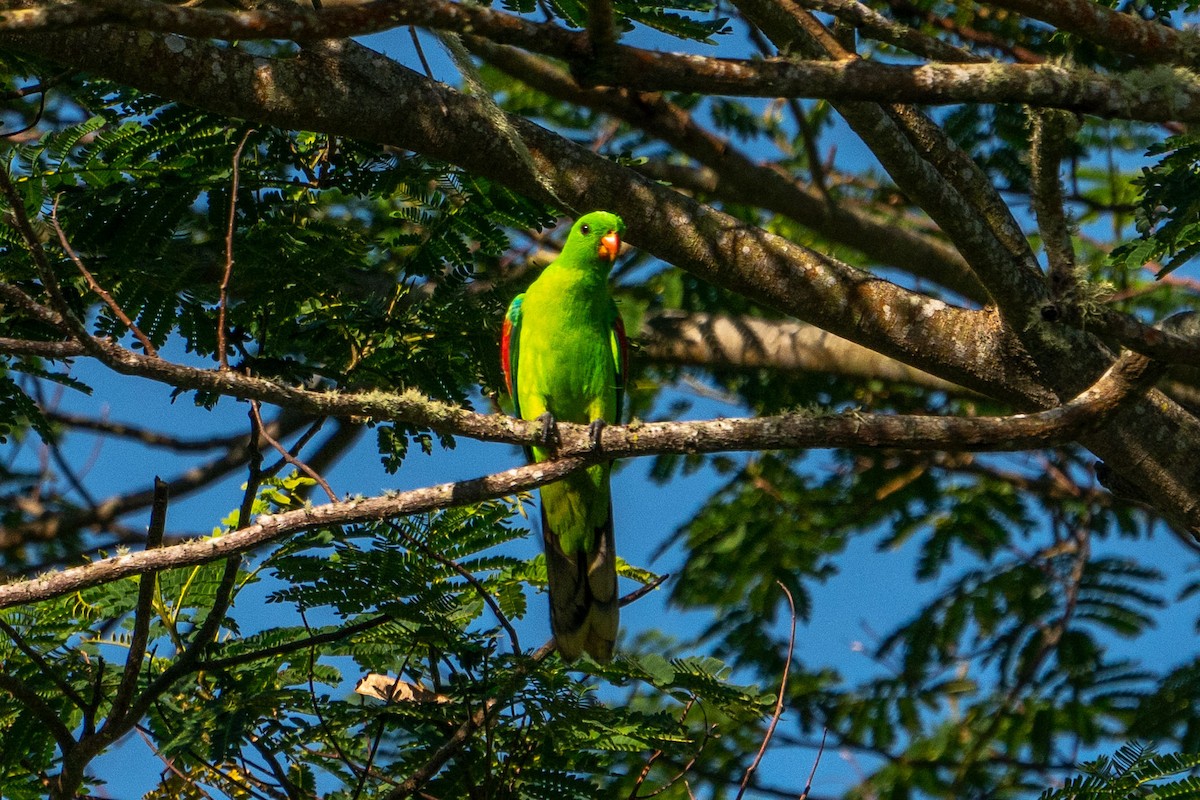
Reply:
x=1123, y=33
x=1050, y=143
x=1122, y=384
x=315, y=91
x=753, y=183
x=1152, y=95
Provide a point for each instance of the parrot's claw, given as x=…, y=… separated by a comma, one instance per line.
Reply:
x=595, y=429
x=549, y=434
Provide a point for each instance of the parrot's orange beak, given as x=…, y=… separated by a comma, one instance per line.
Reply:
x=610, y=245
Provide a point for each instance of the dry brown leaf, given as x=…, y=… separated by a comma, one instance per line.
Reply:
x=385, y=687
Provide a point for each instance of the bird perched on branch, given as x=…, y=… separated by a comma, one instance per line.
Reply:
x=565, y=357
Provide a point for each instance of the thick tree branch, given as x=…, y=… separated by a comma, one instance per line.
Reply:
x=945, y=182
x=1150, y=95
x=756, y=184
x=314, y=93
x=717, y=341
x=1053, y=132
x=311, y=91
x=268, y=529
x=1120, y=32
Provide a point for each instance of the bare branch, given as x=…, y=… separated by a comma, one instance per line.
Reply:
x=47, y=524
x=136, y=433
x=30, y=347
x=712, y=340
x=601, y=30
x=779, y=699
x=1034, y=84
x=716, y=247
x=272, y=528
x=875, y=25
x=147, y=584
x=227, y=275
x=1176, y=340
x=95, y=286
x=288, y=457
x=1053, y=132
x=738, y=177
x=1124, y=33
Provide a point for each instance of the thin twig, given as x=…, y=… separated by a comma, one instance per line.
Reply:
x=37, y=117
x=316, y=706
x=463, y=733
x=787, y=665
x=300, y=644
x=169, y=763
x=54, y=447
x=34, y=703
x=141, y=615
x=482, y=591
x=813, y=773
x=142, y=435
x=95, y=286
x=297, y=446
x=224, y=300
x=642, y=591
x=633, y=793
x=288, y=457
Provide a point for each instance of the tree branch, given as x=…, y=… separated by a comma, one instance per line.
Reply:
x=1122, y=384
x=328, y=92
x=1123, y=33
x=147, y=584
x=1130, y=97
x=316, y=92
x=871, y=23
x=49, y=524
x=1053, y=132
x=717, y=341
x=45, y=714
x=756, y=184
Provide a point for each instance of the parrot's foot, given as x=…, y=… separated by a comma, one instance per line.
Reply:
x=549, y=435
x=595, y=429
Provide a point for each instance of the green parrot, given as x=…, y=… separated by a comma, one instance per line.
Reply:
x=565, y=357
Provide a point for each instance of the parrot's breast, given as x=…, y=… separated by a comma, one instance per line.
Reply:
x=567, y=363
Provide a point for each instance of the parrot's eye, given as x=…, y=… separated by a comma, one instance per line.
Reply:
x=585, y=229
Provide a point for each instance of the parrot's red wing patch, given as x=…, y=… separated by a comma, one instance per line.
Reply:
x=622, y=352
x=505, y=362
x=510, y=350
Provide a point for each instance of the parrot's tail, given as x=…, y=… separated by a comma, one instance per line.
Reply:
x=584, y=611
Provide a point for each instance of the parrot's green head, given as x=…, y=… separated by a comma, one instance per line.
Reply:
x=594, y=240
